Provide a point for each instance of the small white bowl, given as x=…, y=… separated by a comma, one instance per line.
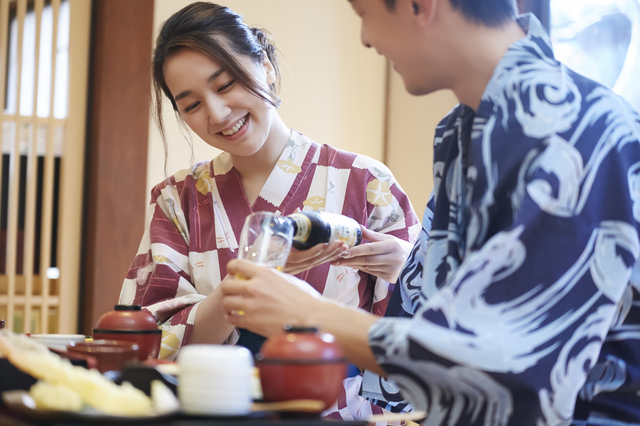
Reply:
x=214, y=358
x=237, y=386
x=215, y=379
x=57, y=341
x=217, y=394
x=236, y=407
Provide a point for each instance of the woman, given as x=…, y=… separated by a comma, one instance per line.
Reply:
x=221, y=78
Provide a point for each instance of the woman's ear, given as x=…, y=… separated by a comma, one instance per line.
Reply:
x=270, y=72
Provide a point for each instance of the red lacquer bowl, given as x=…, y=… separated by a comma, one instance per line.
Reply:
x=110, y=355
x=301, y=364
x=131, y=323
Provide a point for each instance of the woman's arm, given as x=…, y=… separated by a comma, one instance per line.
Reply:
x=210, y=325
x=159, y=279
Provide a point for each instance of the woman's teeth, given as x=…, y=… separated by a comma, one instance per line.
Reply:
x=235, y=128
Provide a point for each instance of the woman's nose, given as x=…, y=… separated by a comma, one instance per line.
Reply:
x=218, y=110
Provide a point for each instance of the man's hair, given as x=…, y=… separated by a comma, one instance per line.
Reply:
x=492, y=13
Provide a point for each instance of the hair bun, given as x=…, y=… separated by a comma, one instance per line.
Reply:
x=265, y=39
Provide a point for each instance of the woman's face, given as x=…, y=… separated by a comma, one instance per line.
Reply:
x=218, y=109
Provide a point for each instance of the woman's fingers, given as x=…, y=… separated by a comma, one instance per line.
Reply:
x=384, y=257
x=373, y=236
x=301, y=256
x=302, y=260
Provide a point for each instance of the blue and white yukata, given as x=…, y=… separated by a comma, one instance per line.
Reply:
x=519, y=300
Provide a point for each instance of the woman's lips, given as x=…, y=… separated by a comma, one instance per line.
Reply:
x=238, y=129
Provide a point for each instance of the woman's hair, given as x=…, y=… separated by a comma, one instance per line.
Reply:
x=219, y=33
x=491, y=13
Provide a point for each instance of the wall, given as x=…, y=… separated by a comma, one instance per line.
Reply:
x=412, y=123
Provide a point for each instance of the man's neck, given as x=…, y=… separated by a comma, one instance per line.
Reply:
x=482, y=48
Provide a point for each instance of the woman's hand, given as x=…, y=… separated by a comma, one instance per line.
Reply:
x=383, y=256
x=302, y=260
x=265, y=299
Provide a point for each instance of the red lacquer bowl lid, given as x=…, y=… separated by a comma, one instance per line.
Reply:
x=127, y=317
x=301, y=344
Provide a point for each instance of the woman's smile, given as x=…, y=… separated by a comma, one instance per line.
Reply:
x=217, y=107
x=236, y=131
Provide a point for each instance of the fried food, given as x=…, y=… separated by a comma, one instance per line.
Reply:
x=55, y=397
x=93, y=388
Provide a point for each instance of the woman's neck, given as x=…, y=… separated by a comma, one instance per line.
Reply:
x=254, y=170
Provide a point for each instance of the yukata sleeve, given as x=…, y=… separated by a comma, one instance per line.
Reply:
x=407, y=293
x=159, y=278
x=389, y=212
x=403, y=302
x=512, y=335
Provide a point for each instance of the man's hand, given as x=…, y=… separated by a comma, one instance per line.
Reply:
x=265, y=299
x=302, y=260
x=383, y=256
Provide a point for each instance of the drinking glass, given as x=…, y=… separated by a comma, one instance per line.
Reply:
x=266, y=240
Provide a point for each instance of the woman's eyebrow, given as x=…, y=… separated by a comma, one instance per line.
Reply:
x=209, y=80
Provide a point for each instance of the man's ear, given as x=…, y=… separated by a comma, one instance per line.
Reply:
x=424, y=9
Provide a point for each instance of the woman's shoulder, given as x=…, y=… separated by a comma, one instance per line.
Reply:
x=341, y=158
x=178, y=180
x=327, y=155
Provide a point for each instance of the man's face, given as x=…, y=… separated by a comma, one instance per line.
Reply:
x=394, y=34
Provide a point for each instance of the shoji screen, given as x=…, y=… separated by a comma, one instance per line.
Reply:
x=43, y=79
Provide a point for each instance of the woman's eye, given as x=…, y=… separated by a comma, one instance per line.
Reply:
x=226, y=86
x=191, y=107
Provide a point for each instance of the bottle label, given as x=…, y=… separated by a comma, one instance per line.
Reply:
x=303, y=225
x=344, y=229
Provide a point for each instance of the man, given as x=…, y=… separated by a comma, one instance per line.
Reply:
x=519, y=306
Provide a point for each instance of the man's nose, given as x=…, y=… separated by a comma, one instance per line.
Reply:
x=363, y=38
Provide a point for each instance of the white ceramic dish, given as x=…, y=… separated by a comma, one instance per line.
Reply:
x=57, y=341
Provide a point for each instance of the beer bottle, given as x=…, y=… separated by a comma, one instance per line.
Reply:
x=313, y=227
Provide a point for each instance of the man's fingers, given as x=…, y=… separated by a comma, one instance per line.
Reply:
x=234, y=303
x=243, y=268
